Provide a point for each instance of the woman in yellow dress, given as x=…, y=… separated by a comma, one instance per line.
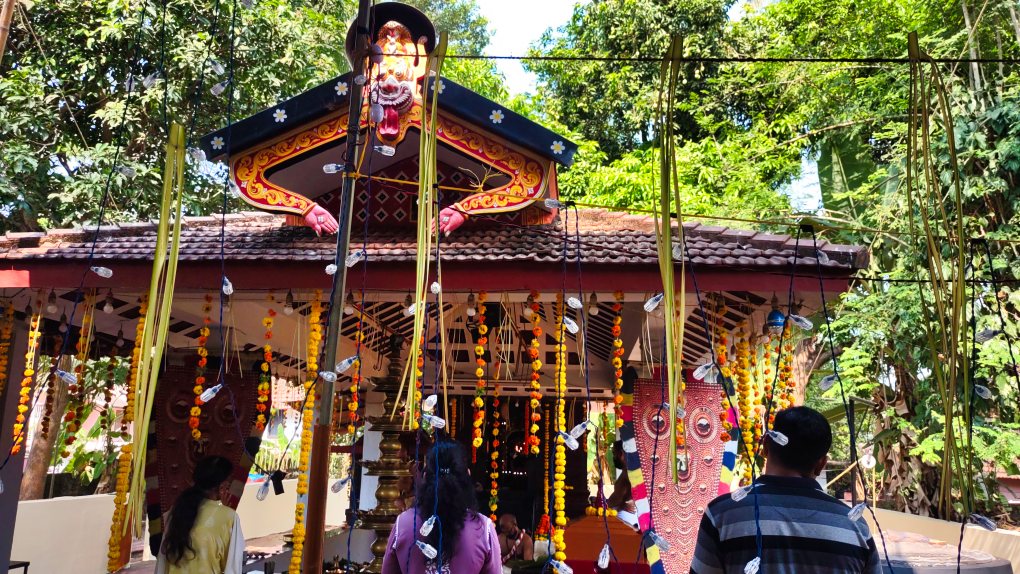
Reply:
x=202, y=535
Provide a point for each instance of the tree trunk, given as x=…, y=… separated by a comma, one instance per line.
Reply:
x=975, y=70
x=1015, y=20
x=33, y=484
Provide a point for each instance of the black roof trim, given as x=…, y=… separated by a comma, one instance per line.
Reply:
x=331, y=96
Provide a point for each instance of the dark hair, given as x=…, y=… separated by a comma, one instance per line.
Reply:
x=446, y=476
x=810, y=437
x=210, y=473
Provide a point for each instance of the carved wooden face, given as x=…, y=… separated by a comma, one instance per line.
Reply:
x=395, y=85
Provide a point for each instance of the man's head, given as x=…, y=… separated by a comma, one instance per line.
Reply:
x=807, y=451
x=508, y=525
x=619, y=461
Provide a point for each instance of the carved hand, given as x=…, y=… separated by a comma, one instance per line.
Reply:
x=450, y=219
x=321, y=221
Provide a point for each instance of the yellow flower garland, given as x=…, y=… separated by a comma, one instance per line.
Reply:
x=265, y=375
x=25, y=394
x=480, y=385
x=560, y=383
x=618, y=352
x=494, y=455
x=745, y=395
x=75, y=416
x=307, y=414
x=354, y=403
x=203, y=358
x=721, y=346
x=115, y=560
x=6, y=330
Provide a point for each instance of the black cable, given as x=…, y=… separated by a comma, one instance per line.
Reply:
x=733, y=59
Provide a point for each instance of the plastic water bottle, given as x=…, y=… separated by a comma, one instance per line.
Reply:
x=857, y=512
x=228, y=287
x=574, y=303
x=218, y=89
x=983, y=392
x=827, y=382
x=604, y=557
x=68, y=377
x=263, y=491
x=981, y=520
x=560, y=567
x=551, y=203
x=778, y=437
x=430, y=402
x=659, y=541
x=578, y=430
x=740, y=493
x=216, y=67
x=802, y=322
x=753, y=566
x=340, y=484
x=385, y=150
x=426, y=549
x=678, y=251
x=569, y=441
x=427, y=526
x=355, y=257
x=210, y=393
x=344, y=365
x=571, y=325
x=653, y=302
x=436, y=288
x=197, y=155
x=434, y=421
x=104, y=272
x=332, y=168
x=331, y=269
x=328, y=376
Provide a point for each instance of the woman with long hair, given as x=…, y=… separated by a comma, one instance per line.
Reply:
x=464, y=541
x=203, y=536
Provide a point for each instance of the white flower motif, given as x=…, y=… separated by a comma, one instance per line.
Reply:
x=442, y=85
x=557, y=147
x=341, y=88
x=496, y=116
x=217, y=142
x=280, y=116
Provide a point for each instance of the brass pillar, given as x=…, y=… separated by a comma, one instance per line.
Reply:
x=390, y=467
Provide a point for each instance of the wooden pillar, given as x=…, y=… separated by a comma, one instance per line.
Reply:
x=11, y=473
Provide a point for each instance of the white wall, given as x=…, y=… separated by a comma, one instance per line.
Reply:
x=66, y=534
x=70, y=534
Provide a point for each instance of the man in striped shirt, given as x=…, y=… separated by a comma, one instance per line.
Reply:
x=802, y=529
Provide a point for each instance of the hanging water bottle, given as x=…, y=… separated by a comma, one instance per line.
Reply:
x=570, y=325
x=653, y=302
x=753, y=566
x=569, y=441
x=574, y=303
x=228, y=287
x=210, y=393
x=355, y=257
x=263, y=491
x=561, y=568
x=426, y=549
x=827, y=382
x=659, y=541
x=857, y=511
x=328, y=376
x=67, y=377
x=340, y=484
x=104, y=272
x=331, y=269
x=345, y=365
x=434, y=421
x=430, y=402
x=426, y=527
x=604, y=557
x=778, y=437
x=551, y=203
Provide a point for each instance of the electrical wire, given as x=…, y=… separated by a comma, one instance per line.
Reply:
x=729, y=59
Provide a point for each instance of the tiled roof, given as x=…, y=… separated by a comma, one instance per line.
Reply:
x=606, y=237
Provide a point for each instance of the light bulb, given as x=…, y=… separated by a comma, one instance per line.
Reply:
x=349, y=304
x=120, y=338
x=210, y=393
x=228, y=287
x=376, y=113
x=593, y=305
x=51, y=303
x=574, y=303
x=104, y=272
x=528, y=312
x=426, y=527
x=653, y=302
x=551, y=203
x=340, y=484
x=331, y=269
x=470, y=312
x=385, y=150
x=426, y=549
x=63, y=323
x=108, y=305
x=288, y=305
x=778, y=437
x=332, y=168
x=355, y=257
x=345, y=365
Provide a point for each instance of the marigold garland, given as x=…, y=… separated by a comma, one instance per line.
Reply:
x=745, y=395
x=307, y=415
x=6, y=330
x=721, y=349
x=123, y=482
x=787, y=386
x=560, y=384
x=106, y=420
x=536, y=374
x=75, y=415
x=494, y=454
x=51, y=391
x=354, y=402
x=25, y=394
x=265, y=372
x=618, y=352
x=195, y=420
x=480, y=385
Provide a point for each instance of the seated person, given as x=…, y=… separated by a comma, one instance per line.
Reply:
x=514, y=542
x=621, y=500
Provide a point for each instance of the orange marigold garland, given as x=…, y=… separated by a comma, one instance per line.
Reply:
x=307, y=415
x=480, y=385
x=6, y=330
x=721, y=349
x=745, y=394
x=354, y=403
x=536, y=374
x=28, y=378
x=51, y=390
x=195, y=420
x=115, y=560
x=618, y=352
x=75, y=415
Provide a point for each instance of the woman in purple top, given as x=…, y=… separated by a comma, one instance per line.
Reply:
x=462, y=540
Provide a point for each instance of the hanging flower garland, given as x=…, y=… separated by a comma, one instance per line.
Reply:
x=75, y=416
x=494, y=454
x=354, y=403
x=480, y=385
x=307, y=414
x=6, y=330
x=544, y=528
x=618, y=346
x=560, y=384
x=203, y=359
x=106, y=420
x=51, y=391
x=721, y=349
x=745, y=400
x=536, y=375
x=115, y=560
x=787, y=386
x=25, y=394
x=265, y=373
